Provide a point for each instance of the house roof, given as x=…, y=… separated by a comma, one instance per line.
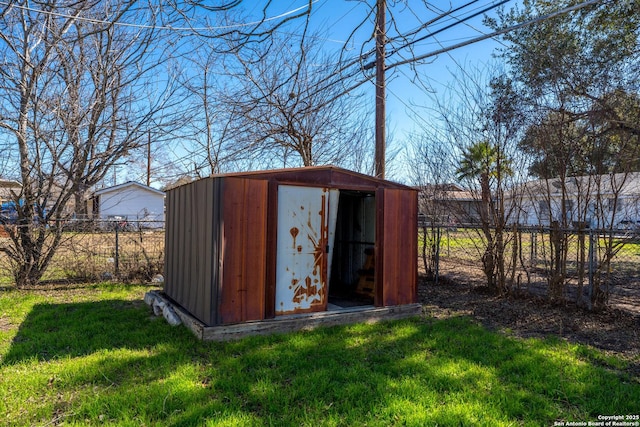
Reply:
x=126, y=185
x=446, y=192
x=9, y=183
x=6, y=186
x=321, y=176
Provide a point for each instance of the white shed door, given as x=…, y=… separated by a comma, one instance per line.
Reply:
x=306, y=230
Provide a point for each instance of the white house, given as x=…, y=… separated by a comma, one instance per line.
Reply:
x=600, y=201
x=130, y=201
x=6, y=186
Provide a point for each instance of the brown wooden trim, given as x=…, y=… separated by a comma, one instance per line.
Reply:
x=306, y=321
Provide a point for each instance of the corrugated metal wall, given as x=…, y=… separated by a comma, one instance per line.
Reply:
x=217, y=232
x=194, y=235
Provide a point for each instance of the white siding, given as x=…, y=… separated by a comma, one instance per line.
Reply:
x=132, y=203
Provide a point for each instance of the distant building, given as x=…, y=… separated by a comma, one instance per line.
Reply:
x=130, y=201
x=600, y=201
x=8, y=212
x=448, y=204
x=6, y=186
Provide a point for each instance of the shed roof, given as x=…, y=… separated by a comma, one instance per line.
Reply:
x=332, y=176
x=128, y=184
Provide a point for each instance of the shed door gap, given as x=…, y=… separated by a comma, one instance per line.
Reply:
x=352, y=267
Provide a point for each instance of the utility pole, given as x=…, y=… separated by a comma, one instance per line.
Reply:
x=381, y=35
x=149, y=159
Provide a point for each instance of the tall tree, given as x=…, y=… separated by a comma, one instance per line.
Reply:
x=74, y=89
x=580, y=66
x=290, y=106
x=576, y=78
x=480, y=132
x=208, y=134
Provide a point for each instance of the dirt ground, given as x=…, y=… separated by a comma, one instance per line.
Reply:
x=614, y=330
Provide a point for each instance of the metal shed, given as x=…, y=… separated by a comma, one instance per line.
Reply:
x=253, y=246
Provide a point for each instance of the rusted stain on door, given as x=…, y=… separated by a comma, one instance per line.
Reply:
x=303, y=249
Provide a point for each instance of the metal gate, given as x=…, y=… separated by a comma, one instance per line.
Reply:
x=306, y=229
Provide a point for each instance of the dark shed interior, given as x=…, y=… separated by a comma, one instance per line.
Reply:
x=354, y=249
x=254, y=246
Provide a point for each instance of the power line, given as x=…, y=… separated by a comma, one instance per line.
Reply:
x=432, y=21
x=458, y=21
x=325, y=29
x=159, y=27
x=495, y=33
x=446, y=27
x=435, y=8
x=441, y=14
x=443, y=50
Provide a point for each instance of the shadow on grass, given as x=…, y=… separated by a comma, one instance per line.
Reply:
x=54, y=331
x=418, y=372
x=447, y=372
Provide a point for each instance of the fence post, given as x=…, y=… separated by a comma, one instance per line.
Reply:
x=534, y=249
x=448, y=243
x=437, y=266
x=117, y=255
x=592, y=248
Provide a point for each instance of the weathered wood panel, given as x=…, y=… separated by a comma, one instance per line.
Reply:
x=242, y=288
x=285, y=324
x=304, y=321
x=398, y=247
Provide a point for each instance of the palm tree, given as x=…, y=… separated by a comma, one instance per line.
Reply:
x=477, y=159
x=483, y=161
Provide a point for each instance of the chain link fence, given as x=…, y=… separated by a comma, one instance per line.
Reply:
x=125, y=250
x=585, y=261
x=114, y=249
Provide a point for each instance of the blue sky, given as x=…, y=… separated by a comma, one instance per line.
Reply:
x=336, y=19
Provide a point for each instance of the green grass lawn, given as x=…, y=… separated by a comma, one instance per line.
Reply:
x=94, y=355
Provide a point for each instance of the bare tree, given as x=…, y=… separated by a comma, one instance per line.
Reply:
x=75, y=85
x=290, y=107
x=210, y=131
x=480, y=131
x=430, y=167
